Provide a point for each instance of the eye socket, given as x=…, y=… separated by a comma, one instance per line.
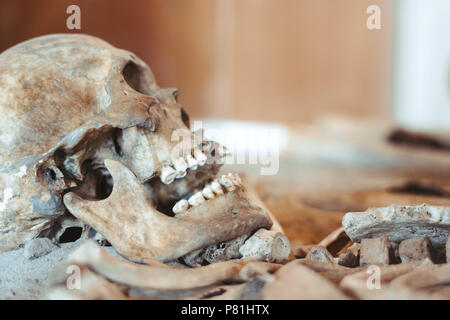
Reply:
x=175, y=94
x=185, y=118
x=135, y=78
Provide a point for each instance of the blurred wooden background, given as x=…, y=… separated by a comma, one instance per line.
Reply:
x=290, y=60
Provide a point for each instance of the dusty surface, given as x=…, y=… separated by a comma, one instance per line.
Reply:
x=22, y=278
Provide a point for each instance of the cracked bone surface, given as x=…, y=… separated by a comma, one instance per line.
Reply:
x=110, y=272
x=84, y=119
x=139, y=232
x=271, y=246
x=400, y=223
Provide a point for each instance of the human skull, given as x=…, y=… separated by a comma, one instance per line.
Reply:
x=87, y=140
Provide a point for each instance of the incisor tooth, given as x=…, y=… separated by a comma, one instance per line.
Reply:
x=192, y=163
x=227, y=183
x=167, y=175
x=215, y=186
x=208, y=193
x=196, y=199
x=200, y=157
x=180, y=207
x=180, y=167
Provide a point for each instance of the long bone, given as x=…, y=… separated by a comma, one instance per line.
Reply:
x=141, y=233
x=163, y=277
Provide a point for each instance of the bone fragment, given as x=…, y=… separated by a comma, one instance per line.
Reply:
x=271, y=246
x=168, y=175
x=320, y=253
x=154, y=276
x=415, y=249
x=400, y=223
x=295, y=281
x=375, y=251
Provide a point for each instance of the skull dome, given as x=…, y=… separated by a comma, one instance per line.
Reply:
x=86, y=140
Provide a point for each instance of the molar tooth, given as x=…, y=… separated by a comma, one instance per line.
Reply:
x=167, y=175
x=192, y=163
x=215, y=186
x=180, y=167
x=227, y=183
x=180, y=207
x=208, y=192
x=235, y=179
x=200, y=157
x=196, y=199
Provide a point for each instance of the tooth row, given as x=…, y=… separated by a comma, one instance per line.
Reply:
x=169, y=174
x=210, y=191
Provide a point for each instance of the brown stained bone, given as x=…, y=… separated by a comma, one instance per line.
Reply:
x=375, y=251
x=126, y=214
x=70, y=101
x=335, y=241
x=415, y=249
x=266, y=245
x=295, y=281
x=223, y=251
x=299, y=250
x=348, y=259
x=428, y=278
x=155, y=275
x=400, y=223
x=403, y=281
x=333, y=272
x=320, y=253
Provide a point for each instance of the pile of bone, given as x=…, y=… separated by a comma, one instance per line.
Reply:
x=395, y=252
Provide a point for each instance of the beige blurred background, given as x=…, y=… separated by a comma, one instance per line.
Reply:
x=288, y=61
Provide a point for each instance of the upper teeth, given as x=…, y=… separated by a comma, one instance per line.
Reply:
x=167, y=174
x=192, y=163
x=200, y=157
x=180, y=166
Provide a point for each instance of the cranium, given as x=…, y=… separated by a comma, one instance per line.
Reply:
x=86, y=131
